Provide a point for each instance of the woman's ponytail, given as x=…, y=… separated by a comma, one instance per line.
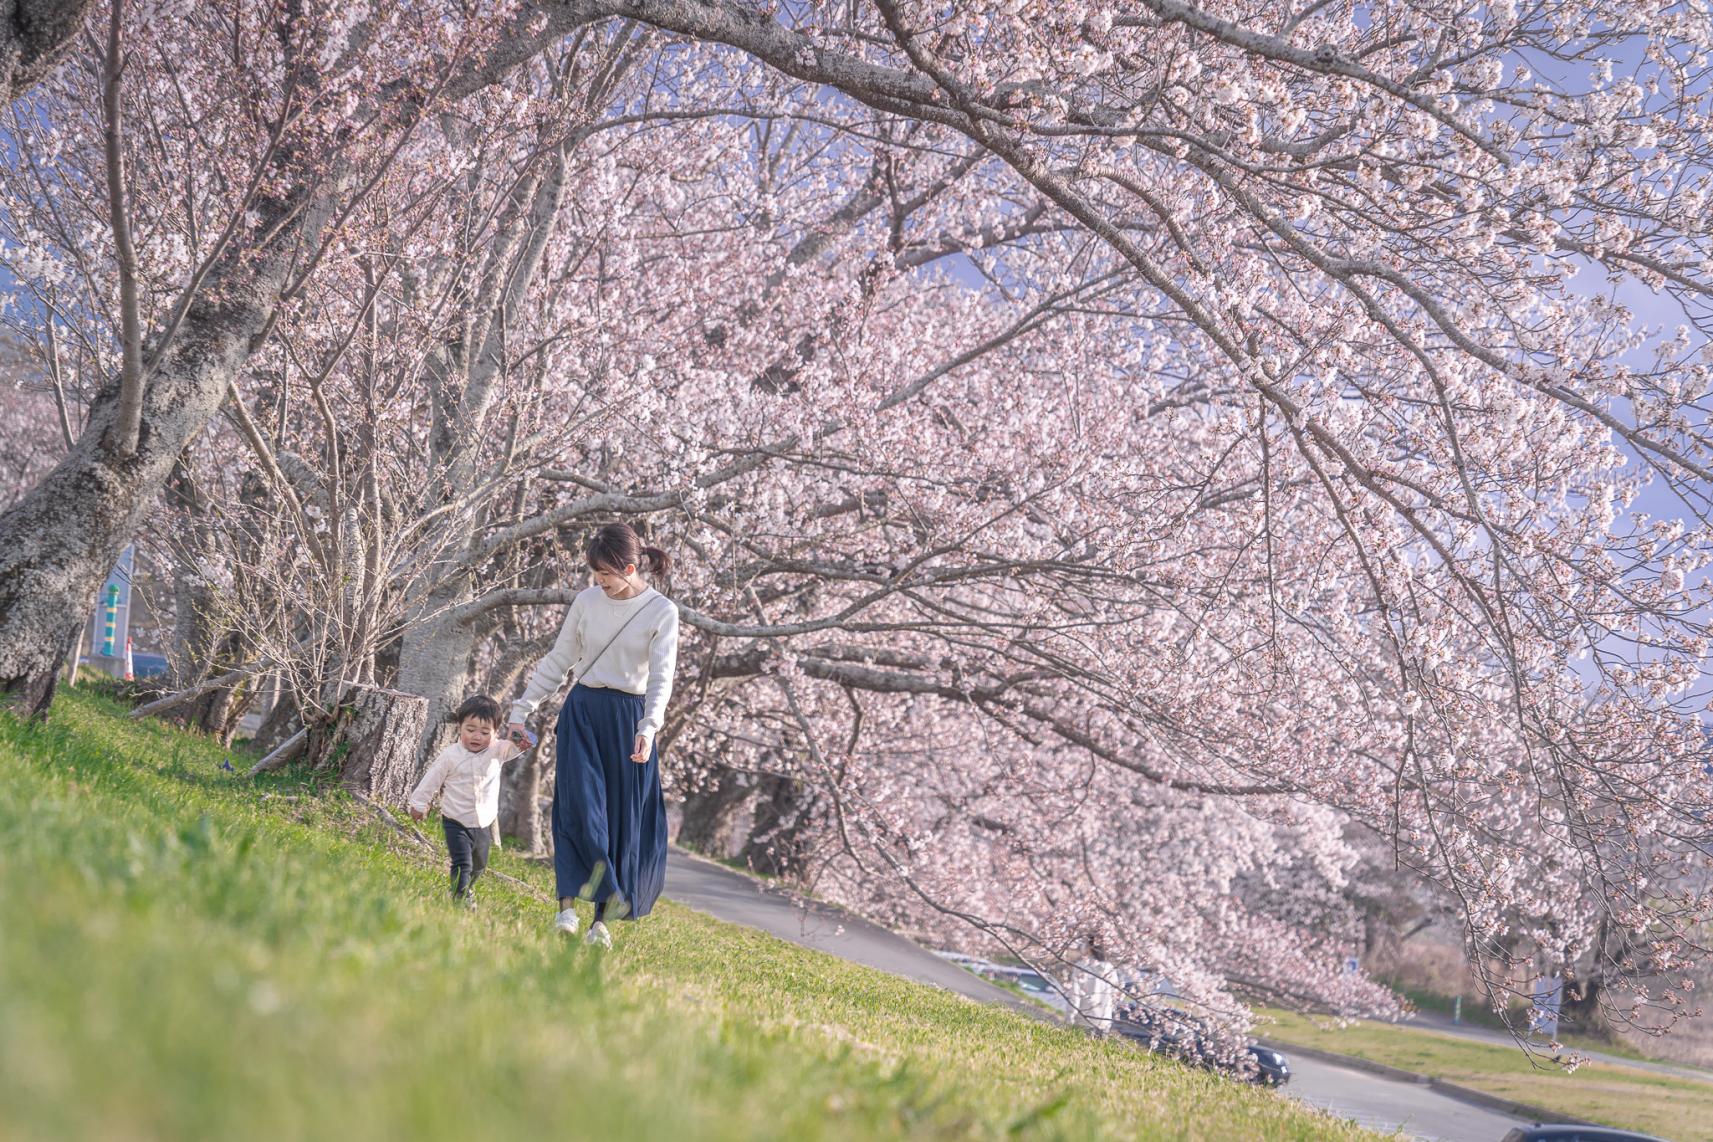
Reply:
x=656, y=562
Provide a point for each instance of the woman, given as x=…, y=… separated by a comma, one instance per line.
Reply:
x=620, y=642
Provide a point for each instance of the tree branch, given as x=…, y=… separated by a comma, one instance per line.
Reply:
x=128, y=422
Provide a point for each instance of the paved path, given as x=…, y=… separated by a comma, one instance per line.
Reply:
x=1386, y=1104
x=731, y=895
x=1381, y=1103
x=1433, y=1021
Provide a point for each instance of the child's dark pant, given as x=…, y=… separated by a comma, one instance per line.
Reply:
x=468, y=847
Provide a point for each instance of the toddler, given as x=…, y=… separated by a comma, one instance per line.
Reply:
x=466, y=775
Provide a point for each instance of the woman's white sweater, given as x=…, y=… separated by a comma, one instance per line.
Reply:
x=640, y=660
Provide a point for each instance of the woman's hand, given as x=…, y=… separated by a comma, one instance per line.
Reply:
x=640, y=753
x=417, y=814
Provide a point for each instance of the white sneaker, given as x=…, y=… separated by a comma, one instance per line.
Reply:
x=566, y=922
x=598, y=936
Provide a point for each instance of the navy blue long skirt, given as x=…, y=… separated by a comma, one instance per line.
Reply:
x=609, y=815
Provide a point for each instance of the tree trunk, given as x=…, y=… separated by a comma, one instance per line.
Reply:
x=435, y=659
x=387, y=663
x=434, y=662
x=60, y=540
x=711, y=812
x=71, y=660
x=520, y=798
x=1580, y=1007
x=1583, y=1006
x=202, y=644
x=33, y=36
x=281, y=721
x=373, y=740
x=776, y=845
x=217, y=711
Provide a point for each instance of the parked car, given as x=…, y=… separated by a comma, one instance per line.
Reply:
x=1559, y=1133
x=1179, y=1035
x=1271, y=1067
x=1165, y=1030
x=146, y=665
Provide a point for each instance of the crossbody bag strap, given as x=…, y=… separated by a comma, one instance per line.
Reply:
x=608, y=645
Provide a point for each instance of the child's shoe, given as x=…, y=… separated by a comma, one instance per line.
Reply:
x=598, y=936
x=566, y=922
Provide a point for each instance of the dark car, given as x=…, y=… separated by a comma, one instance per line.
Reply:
x=1178, y=1035
x=146, y=665
x=1164, y=1030
x=1541, y=1133
x=1271, y=1067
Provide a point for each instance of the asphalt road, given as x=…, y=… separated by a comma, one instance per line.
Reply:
x=730, y=895
x=1381, y=1103
x=1387, y=1104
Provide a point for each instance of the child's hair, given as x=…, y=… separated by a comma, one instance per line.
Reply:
x=617, y=546
x=480, y=707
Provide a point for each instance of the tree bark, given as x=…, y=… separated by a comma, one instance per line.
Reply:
x=33, y=36
x=776, y=844
x=373, y=739
x=434, y=662
x=203, y=643
x=520, y=799
x=711, y=812
x=282, y=721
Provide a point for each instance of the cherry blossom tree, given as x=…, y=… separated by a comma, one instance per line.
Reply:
x=1122, y=449
x=278, y=122
x=1364, y=236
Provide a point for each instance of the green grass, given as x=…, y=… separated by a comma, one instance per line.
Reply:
x=1476, y=1013
x=1677, y=1108
x=188, y=954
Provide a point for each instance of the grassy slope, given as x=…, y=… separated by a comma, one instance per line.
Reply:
x=189, y=954
x=1620, y=1096
x=1477, y=1014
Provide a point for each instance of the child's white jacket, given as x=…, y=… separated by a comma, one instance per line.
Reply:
x=468, y=783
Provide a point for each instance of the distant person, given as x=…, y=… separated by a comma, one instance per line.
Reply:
x=620, y=643
x=466, y=775
x=1093, y=990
